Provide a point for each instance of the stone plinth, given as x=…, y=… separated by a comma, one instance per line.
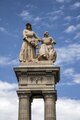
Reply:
x=37, y=81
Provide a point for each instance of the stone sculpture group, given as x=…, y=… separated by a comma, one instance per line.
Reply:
x=46, y=51
x=37, y=76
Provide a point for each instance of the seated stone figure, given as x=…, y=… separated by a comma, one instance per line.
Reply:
x=46, y=51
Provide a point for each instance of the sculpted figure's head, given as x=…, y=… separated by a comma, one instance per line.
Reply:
x=28, y=26
x=46, y=34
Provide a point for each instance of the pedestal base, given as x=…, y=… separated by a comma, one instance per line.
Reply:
x=37, y=81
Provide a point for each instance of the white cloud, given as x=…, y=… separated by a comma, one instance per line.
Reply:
x=78, y=17
x=7, y=86
x=66, y=84
x=56, y=12
x=71, y=73
x=62, y=7
x=77, y=78
x=68, y=72
x=2, y=29
x=36, y=19
x=61, y=1
x=50, y=16
x=30, y=6
x=75, y=5
x=8, y=101
x=77, y=35
x=67, y=109
x=46, y=25
x=26, y=15
x=72, y=28
x=68, y=54
x=38, y=109
x=54, y=15
x=68, y=18
x=4, y=61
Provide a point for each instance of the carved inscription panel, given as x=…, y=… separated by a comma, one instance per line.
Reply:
x=36, y=80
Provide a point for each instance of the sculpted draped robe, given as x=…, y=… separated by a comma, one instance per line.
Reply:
x=28, y=51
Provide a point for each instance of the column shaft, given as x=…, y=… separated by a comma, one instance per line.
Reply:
x=50, y=107
x=24, y=107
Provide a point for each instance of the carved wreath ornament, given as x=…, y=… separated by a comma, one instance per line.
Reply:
x=36, y=79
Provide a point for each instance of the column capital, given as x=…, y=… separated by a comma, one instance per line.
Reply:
x=50, y=94
x=22, y=94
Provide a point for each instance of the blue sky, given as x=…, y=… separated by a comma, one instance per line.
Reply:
x=62, y=19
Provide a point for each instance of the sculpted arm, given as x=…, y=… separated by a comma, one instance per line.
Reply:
x=53, y=41
x=36, y=36
x=24, y=35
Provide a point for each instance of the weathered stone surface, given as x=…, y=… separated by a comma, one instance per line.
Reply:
x=37, y=76
x=50, y=108
x=45, y=52
x=29, y=45
x=37, y=81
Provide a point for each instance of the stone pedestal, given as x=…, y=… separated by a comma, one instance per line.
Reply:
x=37, y=81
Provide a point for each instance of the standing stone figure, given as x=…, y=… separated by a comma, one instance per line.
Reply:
x=46, y=51
x=29, y=45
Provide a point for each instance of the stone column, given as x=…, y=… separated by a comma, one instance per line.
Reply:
x=24, y=106
x=50, y=106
